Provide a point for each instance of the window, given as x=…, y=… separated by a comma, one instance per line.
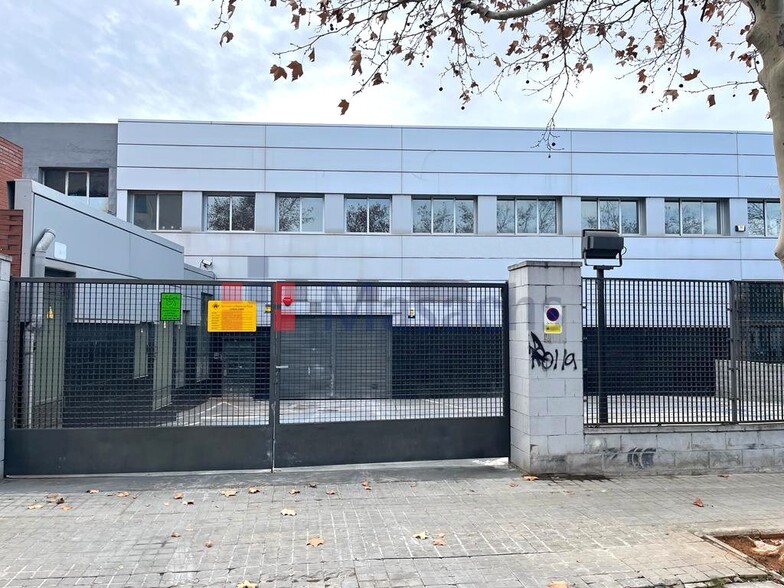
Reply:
x=157, y=211
x=230, y=212
x=443, y=215
x=617, y=215
x=93, y=185
x=367, y=215
x=300, y=214
x=691, y=217
x=526, y=215
x=764, y=218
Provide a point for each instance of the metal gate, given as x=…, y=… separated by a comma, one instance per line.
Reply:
x=126, y=376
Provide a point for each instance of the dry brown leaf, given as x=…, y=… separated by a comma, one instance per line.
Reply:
x=366, y=485
x=178, y=495
x=331, y=493
x=312, y=485
x=246, y=584
x=698, y=502
x=288, y=512
x=55, y=498
x=229, y=492
x=439, y=541
x=189, y=502
x=208, y=544
x=294, y=491
x=558, y=584
x=421, y=535
x=530, y=478
x=93, y=491
x=296, y=70
x=766, y=549
x=724, y=475
x=66, y=507
x=174, y=534
x=123, y=494
x=343, y=105
x=315, y=541
x=35, y=506
x=253, y=490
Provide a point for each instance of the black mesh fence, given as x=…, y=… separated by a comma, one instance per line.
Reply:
x=105, y=353
x=683, y=351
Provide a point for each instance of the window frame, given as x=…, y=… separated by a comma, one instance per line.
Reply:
x=231, y=196
x=536, y=200
x=298, y=196
x=132, y=204
x=764, y=202
x=620, y=201
x=89, y=197
x=367, y=200
x=701, y=201
x=454, y=200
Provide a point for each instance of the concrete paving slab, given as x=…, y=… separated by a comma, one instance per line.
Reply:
x=498, y=529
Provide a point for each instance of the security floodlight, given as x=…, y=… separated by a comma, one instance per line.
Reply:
x=601, y=247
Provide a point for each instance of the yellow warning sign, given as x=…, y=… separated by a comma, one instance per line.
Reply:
x=231, y=316
x=553, y=328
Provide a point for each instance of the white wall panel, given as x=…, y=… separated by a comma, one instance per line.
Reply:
x=490, y=184
x=352, y=160
x=321, y=182
x=319, y=268
x=485, y=247
x=678, y=248
x=196, y=180
x=486, y=162
x=190, y=133
x=654, y=164
x=621, y=141
x=214, y=157
x=667, y=186
x=751, y=187
x=757, y=165
x=755, y=144
x=333, y=246
x=490, y=270
x=328, y=136
x=480, y=139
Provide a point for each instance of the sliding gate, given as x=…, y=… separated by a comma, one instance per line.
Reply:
x=117, y=376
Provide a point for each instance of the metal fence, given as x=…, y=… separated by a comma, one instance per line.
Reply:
x=103, y=354
x=682, y=351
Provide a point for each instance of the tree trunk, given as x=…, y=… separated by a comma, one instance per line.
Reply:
x=767, y=36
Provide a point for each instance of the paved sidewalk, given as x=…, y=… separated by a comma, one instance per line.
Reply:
x=500, y=530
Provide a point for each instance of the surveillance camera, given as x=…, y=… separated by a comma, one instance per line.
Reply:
x=206, y=263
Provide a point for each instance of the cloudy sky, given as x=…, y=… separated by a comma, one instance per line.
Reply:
x=100, y=60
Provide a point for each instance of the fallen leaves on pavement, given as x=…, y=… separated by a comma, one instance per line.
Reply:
x=558, y=584
x=698, y=502
x=66, y=507
x=288, y=512
x=315, y=541
x=294, y=491
x=422, y=535
x=229, y=492
x=331, y=493
x=312, y=485
x=178, y=495
x=246, y=584
x=208, y=544
x=123, y=494
x=530, y=478
x=253, y=490
x=174, y=534
x=366, y=485
x=93, y=491
x=35, y=506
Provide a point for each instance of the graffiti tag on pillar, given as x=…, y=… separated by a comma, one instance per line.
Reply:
x=549, y=360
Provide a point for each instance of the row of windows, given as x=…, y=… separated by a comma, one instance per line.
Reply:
x=439, y=215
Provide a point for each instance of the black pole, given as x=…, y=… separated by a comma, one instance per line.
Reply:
x=601, y=324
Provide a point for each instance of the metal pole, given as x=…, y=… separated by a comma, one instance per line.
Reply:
x=601, y=324
x=734, y=350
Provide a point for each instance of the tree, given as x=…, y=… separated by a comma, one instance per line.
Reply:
x=547, y=45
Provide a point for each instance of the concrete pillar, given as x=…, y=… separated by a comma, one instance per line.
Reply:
x=5, y=290
x=546, y=370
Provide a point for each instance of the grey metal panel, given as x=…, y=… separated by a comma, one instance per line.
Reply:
x=668, y=186
x=490, y=184
x=346, y=245
x=321, y=268
x=486, y=162
x=757, y=165
x=622, y=141
x=758, y=187
x=218, y=180
x=655, y=164
x=676, y=247
x=755, y=143
x=487, y=247
x=346, y=160
x=188, y=156
x=480, y=139
x=190, y=133
x=327, y=136
x=487, y=270
x=345, y=182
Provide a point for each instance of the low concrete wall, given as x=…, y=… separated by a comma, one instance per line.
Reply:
x=675, y=449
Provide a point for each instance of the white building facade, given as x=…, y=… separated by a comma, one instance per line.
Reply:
x=278, y=202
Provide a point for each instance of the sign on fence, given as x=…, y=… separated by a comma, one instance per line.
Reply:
x=171, y=306
x=231, y=316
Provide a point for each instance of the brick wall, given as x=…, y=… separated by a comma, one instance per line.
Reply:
x=11, y=238
x=10, y=168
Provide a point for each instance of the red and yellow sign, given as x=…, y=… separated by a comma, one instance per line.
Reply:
x=231, y=316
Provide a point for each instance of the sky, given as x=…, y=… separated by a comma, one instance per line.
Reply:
x=104, y=60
